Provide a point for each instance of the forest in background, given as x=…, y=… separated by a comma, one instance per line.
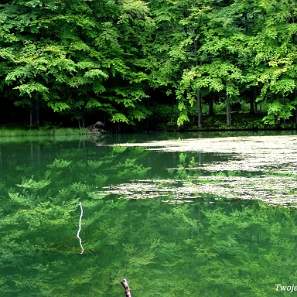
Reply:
x=133, y=62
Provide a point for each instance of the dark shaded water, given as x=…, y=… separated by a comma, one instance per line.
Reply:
x=205, y=247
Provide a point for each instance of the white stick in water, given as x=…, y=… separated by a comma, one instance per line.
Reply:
x=79, y=227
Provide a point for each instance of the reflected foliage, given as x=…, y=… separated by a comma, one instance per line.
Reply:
x=209, y=247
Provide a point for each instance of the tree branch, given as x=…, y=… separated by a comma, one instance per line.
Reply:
x=127, y=288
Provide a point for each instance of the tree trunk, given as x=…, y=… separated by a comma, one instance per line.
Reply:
x=172, y=107
x=31, y=115
x=252, y=102
x=295, y=96
x=199, y=108
x=147, y=119
x=198, y=97
x=79, y=125
x=293, y=21
x=228, y=111
x=37, y=114
x=210, y=106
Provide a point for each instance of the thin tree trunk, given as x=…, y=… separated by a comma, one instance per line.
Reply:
x=252, y=102
x=37, y=114
x=293, y=21
x=210, y=105
x=147, y=120
x=199, y=108
x=198, y=97
x=172, y=107
x=228, y=111
x=31, y=115
x=295, y=93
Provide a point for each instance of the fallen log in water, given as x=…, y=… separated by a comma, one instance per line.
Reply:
x=127, y=288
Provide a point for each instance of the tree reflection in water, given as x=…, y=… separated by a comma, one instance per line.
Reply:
x=163, y=245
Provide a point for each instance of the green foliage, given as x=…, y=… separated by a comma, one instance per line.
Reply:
x=279, y=109
x=32, y=184
x=63, y=58
x=59, y=163
x=109, y=57
x=161, y=244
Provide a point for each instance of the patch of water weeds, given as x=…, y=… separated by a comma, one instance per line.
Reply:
x=275, y=157
x=272, y=190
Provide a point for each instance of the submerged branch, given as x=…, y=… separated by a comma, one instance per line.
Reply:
x=79, y=227
x=128, y=290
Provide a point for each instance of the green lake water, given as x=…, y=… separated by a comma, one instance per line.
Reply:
x=151, y=216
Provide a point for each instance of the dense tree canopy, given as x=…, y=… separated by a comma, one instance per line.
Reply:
x=116, y=59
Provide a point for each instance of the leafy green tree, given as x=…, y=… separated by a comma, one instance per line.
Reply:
x=85, y=58
x=220, y=45
x=195, y=24
x=167, y=59
x=273, y=47
x=77, y=57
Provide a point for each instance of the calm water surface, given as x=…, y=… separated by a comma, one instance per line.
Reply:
x=134, y=223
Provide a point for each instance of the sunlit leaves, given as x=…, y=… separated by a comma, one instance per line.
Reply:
x=183, y=117
x=95, y=73
x=32, y=87
x=136, y=8
x=59, y=106
x=119, y=117
x=32, y=184
x=20, y=199
x=59, y=163
x=279, y=109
